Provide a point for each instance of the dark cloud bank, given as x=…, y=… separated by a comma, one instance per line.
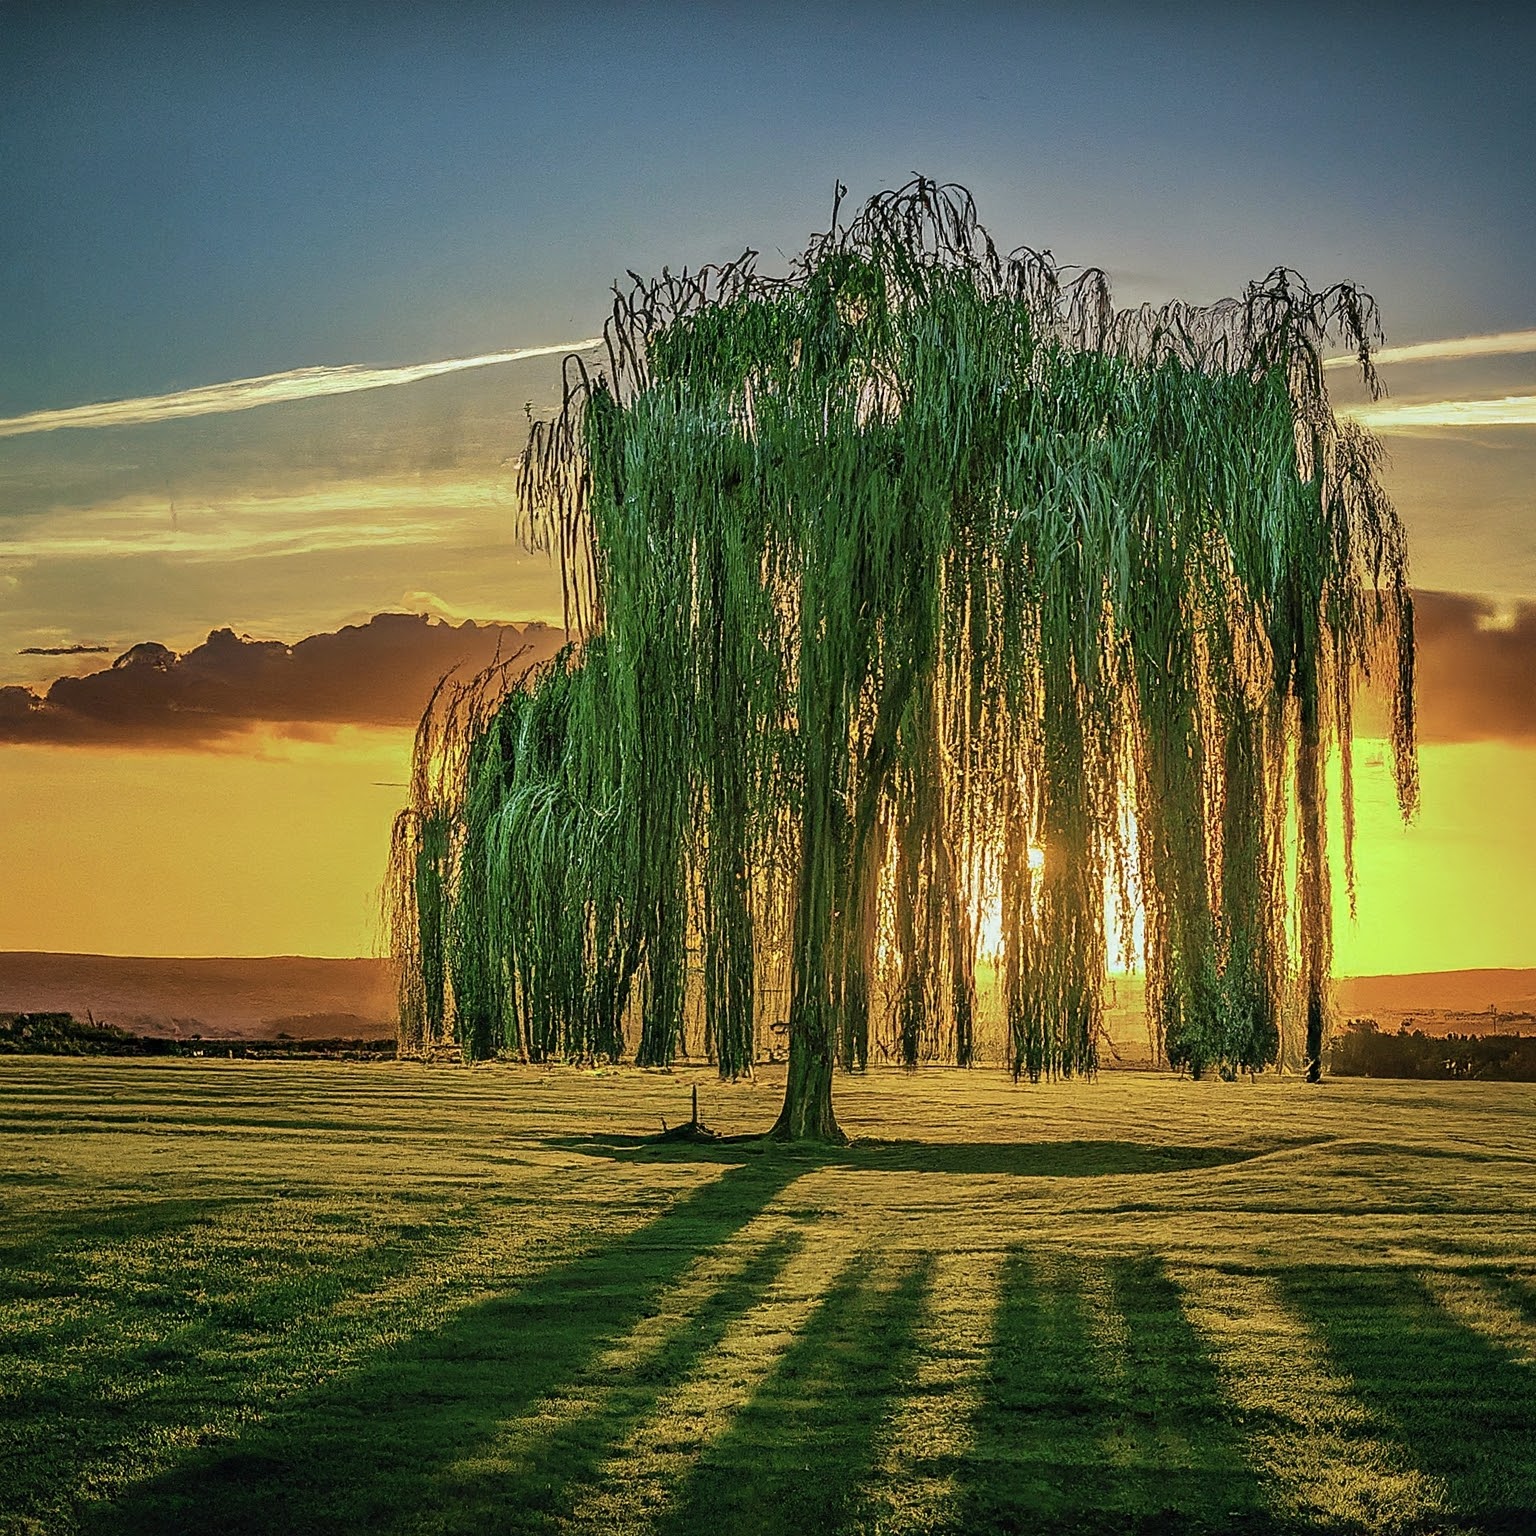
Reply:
x=1477, y=680
x=1477, y=669
x=378, y=673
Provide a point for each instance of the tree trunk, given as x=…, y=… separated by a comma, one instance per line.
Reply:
x=1312, y=872
x=821, y=911
x=1314, y=1031
x=807, y=1112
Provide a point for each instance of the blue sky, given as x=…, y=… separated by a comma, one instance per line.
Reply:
x=199, y=193
x=196, y=192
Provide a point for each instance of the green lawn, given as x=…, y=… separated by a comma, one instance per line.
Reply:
x=242, y=1297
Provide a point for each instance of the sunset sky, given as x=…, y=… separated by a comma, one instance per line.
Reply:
x=247, y=235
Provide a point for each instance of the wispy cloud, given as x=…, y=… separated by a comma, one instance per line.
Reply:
x=350, y=378
x=349, y=514
x=1511, y=411
x=1502, y=344
x=267, y=389
x=313, y=383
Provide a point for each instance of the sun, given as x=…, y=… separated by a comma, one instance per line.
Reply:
x=989, y=924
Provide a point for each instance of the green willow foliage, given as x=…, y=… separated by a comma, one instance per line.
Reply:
x=883, y=574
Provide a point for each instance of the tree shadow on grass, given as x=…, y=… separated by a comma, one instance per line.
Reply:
x=52, y=1291
x=151, y=1322
x=374, y=1450
x=42, y=1247
x=1518, y=1290
x=799, y=1453
x=554, y=1465
x=1033, y=1160
x=1102, y=1412
x=1463, y=1409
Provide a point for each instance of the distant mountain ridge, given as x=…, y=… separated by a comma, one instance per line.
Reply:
x=1509, y=990
x=314, y=998
x=252, y=998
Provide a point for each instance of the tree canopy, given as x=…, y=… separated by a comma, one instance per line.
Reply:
x=933, y=623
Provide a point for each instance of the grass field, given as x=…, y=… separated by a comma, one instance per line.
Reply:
x=388, y=1298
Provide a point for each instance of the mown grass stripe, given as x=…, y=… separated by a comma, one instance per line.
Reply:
x=1477, y=1305
x=1329, y=1460
x=373, y=1441
x=1456, y=1402
x=580, y=1423
x=799, y=1451
x=638, y=1482
x=933, y=1427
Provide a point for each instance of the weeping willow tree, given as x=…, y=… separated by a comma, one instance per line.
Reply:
x=929, y=614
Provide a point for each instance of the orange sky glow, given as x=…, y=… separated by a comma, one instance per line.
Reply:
x=277, y=847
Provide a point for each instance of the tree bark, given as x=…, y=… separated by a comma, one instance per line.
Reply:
x=807, y=1113
x=1312, y=873
x=821, y=911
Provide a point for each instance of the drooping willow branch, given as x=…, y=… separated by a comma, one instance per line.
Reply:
x=920, y=592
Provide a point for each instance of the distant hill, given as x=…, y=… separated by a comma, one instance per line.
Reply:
x=252, y=998
x=1506, y=991
x=318, y=999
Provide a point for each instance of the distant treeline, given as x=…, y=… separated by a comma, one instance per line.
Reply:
x=61, y=1034
x=1362, y=1051
x=1494, y=1058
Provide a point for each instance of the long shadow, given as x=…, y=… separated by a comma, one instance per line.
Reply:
x=169, y=1119
x=192, y=1292
x=1462, y=1409
x=139, y=1326
x=94, y=1225
x=44, y=1276
x=556, y=1467
x=372, y=1451
x=799, y=1453
x=1518, y=1290
x=1033, y=1159
x=1103, y=1412
x=204, y=1298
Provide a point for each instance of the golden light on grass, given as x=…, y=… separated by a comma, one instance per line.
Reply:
x=1476, y=1304
x=614, y=1383
x=1329, y=1463
x=1108, y=1305
x=636, y=1483
x=933, y=1428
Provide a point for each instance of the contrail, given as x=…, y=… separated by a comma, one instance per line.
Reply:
x=1455, y=346
x=268, y=389
x=311, y=383
x=1511, y=411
